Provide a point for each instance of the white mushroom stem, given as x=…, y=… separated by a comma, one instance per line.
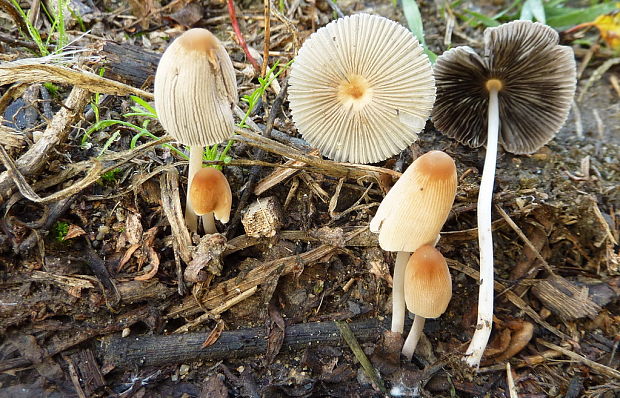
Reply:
x=485, y=240
x=195, y=163
x=208, y=223
x=398, y=292
x=414, y=336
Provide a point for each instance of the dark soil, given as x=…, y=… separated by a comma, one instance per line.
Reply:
x=74, y=272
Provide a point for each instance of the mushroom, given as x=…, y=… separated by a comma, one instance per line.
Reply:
x=361, y=89
x=428, y=290
x=195, y=89
x=518, y=95
x=412, y=214
x=210, y=196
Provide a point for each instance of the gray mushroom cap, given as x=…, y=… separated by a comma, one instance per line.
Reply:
x=361, y=89
x=538, y=79
x=195, y=89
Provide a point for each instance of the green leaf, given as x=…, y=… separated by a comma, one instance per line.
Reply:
x=533, y=9
x=483, y=19
x=144, y=104
x=569, y=17
x=414, y=20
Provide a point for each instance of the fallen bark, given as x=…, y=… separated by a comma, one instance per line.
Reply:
x=165, y=350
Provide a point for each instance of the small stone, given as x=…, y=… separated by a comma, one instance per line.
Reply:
x=183, y=370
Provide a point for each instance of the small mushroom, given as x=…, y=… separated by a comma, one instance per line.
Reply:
x=195, y=90
x=412, y=215
x=518, y=95
x=428, y=290
x=210, y=196
x=361, y=89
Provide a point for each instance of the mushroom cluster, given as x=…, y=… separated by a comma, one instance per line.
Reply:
x=195, y=90
x=411, y=216
x=361, y=89
x=518, y=94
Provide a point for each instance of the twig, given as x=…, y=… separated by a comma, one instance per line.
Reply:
x=511, y=382
x=26, y=190
x=370, y=370
x=216, y=311
x=513, y=298
x=178, y=348
x=35, y=158
x=516, y=228
x=336, y=9
x=267, y=14
x=36, y=72
x=597, y=367
x=239, y=35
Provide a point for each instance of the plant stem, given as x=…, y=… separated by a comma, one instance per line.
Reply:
x=239, y=35
x=414, y=336
x=208, y=223
x=195, y=163
x=485, y=240
x=398, y=292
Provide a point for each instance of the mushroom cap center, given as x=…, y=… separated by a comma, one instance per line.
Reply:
x=354, y=92
x=494, y=85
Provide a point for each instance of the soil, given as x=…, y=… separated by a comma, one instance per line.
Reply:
x=92, y=292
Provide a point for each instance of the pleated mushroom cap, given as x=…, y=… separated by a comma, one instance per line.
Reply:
x=536, y=77
x=428, y=284
x=210, y=192
x=415, y=209
x=195, y=89
x=361, y=89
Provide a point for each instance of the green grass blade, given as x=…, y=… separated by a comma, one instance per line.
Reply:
x=568, y=17
x=482, y=19
x=533, y=9
x=414, y=20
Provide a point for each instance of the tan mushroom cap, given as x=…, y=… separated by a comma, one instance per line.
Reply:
x=535, y=78
x=361, y=89
x=428, y=284
x=195, y=88
x=415, y=209
x=210, y=192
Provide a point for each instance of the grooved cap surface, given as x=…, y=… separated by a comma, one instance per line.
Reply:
x=195, y=89
x=428, y=284
x=361, y=89
x=210, y=192
x=415, y=209
x=536, y=80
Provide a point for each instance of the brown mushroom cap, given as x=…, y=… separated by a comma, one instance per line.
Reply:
x=210, y=192
x=195, y=88
x=535, y=76
x=428, y=284
x=361, y=89
x=415, y=209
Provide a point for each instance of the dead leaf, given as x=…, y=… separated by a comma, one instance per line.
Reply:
x=127, y=256
x=73, y=232
x=214, y=335
x=206, y=258
x=214, y=387
x=187, y=16
x=608, y=26
x=276, y=333
x=133, y=228
x=147, y=246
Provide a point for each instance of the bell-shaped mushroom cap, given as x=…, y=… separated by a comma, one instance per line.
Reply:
x=361, y=89
x=415, y=209
x=428, y=284
x=210, y=192
x=536, y=79
x=195, y=88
